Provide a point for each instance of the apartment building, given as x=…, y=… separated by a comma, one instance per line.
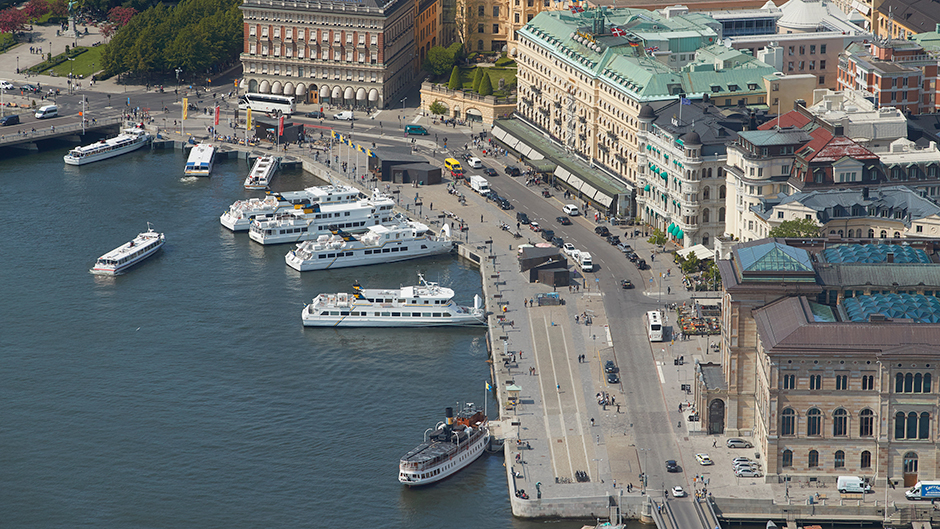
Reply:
x=427, y=28
x=898, y=73
x=355, y=55
x=901, y=19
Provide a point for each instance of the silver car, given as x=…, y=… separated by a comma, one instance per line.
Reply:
x=736, y=442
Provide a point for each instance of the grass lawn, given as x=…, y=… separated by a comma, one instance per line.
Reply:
x=85, y=64
x=509, y=74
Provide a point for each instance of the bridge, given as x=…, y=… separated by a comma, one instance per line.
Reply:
x=30, y=131
x=684, y=513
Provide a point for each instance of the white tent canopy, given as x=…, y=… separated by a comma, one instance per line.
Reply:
x=699, y=250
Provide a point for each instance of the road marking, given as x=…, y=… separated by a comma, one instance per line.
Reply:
x=538, y=367
x=377, y=112
x=662, y=377
x=580, y=423
x=416, y=119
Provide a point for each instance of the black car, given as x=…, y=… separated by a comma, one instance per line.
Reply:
x=503, y=203
x=316, y=114
x=512, y=170
x=602, y=231
x=613, y=240
x=609, y=367
x=548, y=235
x=672, y=466
x=564, y=221
x=30, y=88
x=632, y=256
x=490, y=172
x=626, y=283
x=522, y=217
x=641, y=264
x=612, y=378
x=12, y=119
x=558, y=241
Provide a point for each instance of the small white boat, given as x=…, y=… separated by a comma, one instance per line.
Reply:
x=128, y=140
x=130, y=253
x=424, y=305
x=400, y=241
x=201, y=158
x=262, y=172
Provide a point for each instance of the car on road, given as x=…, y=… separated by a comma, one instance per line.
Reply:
x=558, y=241
x=677, y=492
x=641, y=264
x=30, y=88
x=344, y=116
x=6, y=85
x=612, y=378
x=457, y=173
x=602, y=231
x=490, y=172
x=503, y=203
x=571, y=209
x=316, y=114
x=569, y=248
x=613, y=240
x=534, y=226
x=624, y=248
x=747, y=473
x=548, y=235
x=512, y=170
x=522, y=217
x=11, y=119
x=736, y=442
x=416, y=130
x=626, y=283
x=672, y=466
x=610, y=367
x=704, y=460
x=632, y=256
x=564, y=221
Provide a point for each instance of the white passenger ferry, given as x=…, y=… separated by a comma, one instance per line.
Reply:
x=311, y=222
x=262, y=172
x=129, y=254
x=424, y=305
x=399, y=241
x=450, y=446
x=128, y=140
x=201, y=158
x=241, y=213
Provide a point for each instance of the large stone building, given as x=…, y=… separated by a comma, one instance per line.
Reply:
x=898, y=73
x=829, y=357
x=337, y=53
x=427, y=28
x=901, y=19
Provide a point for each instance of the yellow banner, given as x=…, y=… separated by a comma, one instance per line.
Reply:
x=185, y=107
x=248, y=120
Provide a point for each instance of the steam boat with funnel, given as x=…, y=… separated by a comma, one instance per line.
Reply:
x=426, y=304
x=448, y=447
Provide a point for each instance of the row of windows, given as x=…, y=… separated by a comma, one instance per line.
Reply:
x=838, y=460
x=912, y=383
x=788, y=381
x=812, y=49
x=366, y=252
x=323, y=73
x=910, y=426
x=814, y=424
x=385, y=314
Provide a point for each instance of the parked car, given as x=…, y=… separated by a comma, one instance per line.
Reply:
x=602, y=231
x=613, y=240
x=632, y=256
x=641, y=264
x=548, y=235
x=672, y=466
x=512, y=170
x=626, y=283
x=522, y=217
x=610, y=367
x=612, y=378
x=677, y=492
x=740, y=460
x=571, y=209
x=558, y=241
x=490, y=172
x=569, y=248
x=736, y=442
x=316, y=114
x=564, y=221
x=747, y=473
x=504, y=204
x=704, y=460
x=6, y=85
x=11, y=119
x=624, y=248
x=534, y=226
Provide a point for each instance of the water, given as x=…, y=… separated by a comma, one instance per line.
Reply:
x=186, y=393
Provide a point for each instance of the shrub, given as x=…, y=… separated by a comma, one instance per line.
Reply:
x=486, y=86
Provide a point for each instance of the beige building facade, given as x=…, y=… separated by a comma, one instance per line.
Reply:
x=466, y=105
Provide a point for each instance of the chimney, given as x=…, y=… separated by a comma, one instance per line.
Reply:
x=838, y=130
x=865, y=193
x=890, y=257
x=752, y=122
x=875, y=318
x=797, y=103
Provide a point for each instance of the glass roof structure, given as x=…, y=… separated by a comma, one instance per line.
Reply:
x=822, y=313
x=874, y=253
x=920, y=309
x=774, y=257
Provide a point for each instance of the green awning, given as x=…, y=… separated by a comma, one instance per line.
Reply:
x=680, y=234
x=647, y=188
x=670, y=228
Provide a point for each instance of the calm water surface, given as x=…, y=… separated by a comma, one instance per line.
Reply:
x=186, y=393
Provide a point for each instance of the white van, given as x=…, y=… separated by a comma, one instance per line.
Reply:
x=344, y=116
x=48, y=111
x=475, y=163
x=852, y=484
x=571, y=209
x=584, y=261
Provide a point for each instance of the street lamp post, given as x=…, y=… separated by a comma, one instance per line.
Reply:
x=643, y=476
x=178, y=70
x=71, y=72
x=401, y=117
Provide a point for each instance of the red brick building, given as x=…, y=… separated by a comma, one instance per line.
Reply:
x=897, y=73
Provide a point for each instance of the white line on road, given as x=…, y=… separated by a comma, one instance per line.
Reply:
x=662, y=377
x=548, y=432
x=377, y=112
x=417, y=118
x=587, y=458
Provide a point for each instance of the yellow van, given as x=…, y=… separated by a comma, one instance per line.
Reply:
x=451, y=164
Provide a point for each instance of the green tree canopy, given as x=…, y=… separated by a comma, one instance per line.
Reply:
x=690, y=264
x=455, y=82
x=658, y=238
x=439, y=61
x=437, y=108
x=477, y=78
x=486, y=86
x=795, y=228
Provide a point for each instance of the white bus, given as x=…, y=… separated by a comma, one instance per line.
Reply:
x=267, y=103
x=654, y=326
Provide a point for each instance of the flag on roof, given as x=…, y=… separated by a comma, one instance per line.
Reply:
x=652, y=49
x=635, y=44
x=617, y=32
x=686, y=101
x=576, y=9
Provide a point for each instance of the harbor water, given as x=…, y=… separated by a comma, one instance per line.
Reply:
x=186, y=393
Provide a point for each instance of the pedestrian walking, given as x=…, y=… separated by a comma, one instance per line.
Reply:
x=715, y=443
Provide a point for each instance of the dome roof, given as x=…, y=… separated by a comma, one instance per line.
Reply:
x=646, y=112
x=807, y=15
x=691, y=138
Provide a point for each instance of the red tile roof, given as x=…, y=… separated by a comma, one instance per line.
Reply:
x=827, y=148
x=790, y=119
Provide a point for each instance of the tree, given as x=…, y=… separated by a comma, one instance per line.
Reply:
x=437, y=108
x=36, y=8
x=120, y=16
x=795, y=228
x=107, y=30
x=477, y=79
x=486, y=86
x=690, y=264
x=658, y=238
x=59, y=8
x=711, y=276
x=439, y=61
x=455, y=83
x=12, y=20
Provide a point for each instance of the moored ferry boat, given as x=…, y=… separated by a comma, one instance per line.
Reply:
x=239, y=215
x=128, y=140
x=200, y=161
x=262, y=172
x=310, y=222
x=399, y=241
x=130, y=253
x=424, y=305
x=452, y=445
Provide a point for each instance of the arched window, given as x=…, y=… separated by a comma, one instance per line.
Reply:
x=813, y=422
x=840, y=459
x=813, y=458
x=899, y=383
x=788, y=422
x=840, y=423
x=918, y=382
x=908, y=383
x=926, y=382
x=866, y=459
x=884, y=234
x=924, y=431
x=897, y=234
x=851, y=233
x=721, y=214
x=912, y=425
x=910, y=463
x=705, y=215
x=787, y=458
x=706, y=191
x=705, y=239
x=871, y=233
x=866, y=423
x=721, y=192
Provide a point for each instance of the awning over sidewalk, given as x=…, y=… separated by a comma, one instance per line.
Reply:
x=516, y=144
x=699, y=250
